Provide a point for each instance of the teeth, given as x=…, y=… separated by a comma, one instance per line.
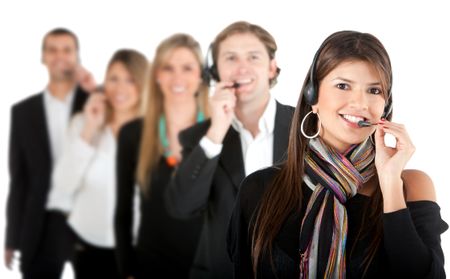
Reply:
x=178, y=89
x=244, y=81
x=352, y=118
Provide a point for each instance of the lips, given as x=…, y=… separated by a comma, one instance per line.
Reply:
x=120, y=98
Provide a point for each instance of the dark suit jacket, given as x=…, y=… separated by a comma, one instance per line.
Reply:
x=30, y=165
x=165, y=245
x=209, y=187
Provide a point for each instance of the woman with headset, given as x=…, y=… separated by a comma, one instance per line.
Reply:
x=148, y=152
x=342, y=205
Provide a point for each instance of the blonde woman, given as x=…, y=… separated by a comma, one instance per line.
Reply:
x=84, y=180
x=147, y=155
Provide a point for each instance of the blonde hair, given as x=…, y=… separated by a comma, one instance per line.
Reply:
x=151, y=149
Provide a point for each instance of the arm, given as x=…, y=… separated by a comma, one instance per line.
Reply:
x=188, y=192
x=67, y=177
x=239, y=238
x=412, y=235
x=17, y=191
x=123, y=222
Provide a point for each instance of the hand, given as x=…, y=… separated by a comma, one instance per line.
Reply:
x=9, y=258
x=222, y=105
x=389, y=161
x=85, y=79
x=95, y=115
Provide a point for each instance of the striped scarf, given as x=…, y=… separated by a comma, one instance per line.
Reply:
x=334, y=178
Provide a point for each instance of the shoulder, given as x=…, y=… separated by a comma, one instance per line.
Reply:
x=25, y=104
x=131, y=131
x=132, y=127
x=285, y=109
x=254, y=186
x=418, y=186
x=192, y=135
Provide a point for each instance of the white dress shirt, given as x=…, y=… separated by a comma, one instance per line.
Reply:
x=57, y=114
x=84, y=184
x=257, y=152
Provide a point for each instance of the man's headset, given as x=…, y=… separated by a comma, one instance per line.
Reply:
x=210, y=72
x=311, y=95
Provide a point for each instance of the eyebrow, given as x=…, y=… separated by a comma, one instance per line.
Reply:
x=351, y=81
x=248, y=52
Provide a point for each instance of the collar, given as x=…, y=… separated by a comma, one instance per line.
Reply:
x=49, y=98
x=266, y=122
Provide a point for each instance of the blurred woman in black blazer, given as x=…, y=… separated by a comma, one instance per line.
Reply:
x=148, y=151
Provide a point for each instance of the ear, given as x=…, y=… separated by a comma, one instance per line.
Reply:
x=315, y=108
x=273, y=69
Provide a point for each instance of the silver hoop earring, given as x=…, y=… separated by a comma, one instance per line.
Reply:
x=303, y=122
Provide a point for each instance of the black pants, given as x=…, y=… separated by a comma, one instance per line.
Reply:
x=54, y=250
x=94, y=262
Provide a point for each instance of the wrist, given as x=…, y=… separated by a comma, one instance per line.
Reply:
x=215, y=135
x=393, y=195
x=88, y=133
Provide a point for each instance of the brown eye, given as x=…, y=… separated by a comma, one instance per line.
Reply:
x=342, y=86
x=375, y=90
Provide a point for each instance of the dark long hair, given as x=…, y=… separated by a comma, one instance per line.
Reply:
x=286, y=197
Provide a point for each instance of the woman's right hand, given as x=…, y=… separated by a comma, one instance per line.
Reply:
x=95, y=115
x=9, y=258
x=222, y=105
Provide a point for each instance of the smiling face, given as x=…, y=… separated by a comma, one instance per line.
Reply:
x=60, y=56
x=349, y=93
x=243, y=59
x=121, y=89
x=179, y=76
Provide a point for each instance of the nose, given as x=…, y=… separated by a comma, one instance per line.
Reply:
x=242, y=66
x=358, y=99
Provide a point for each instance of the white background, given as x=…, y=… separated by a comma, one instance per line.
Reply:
x=415, y=34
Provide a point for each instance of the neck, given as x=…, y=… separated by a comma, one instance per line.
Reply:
x=249, y=114
x=119, y=118
x=180, y=116
x=60, y=89
x=340, y=147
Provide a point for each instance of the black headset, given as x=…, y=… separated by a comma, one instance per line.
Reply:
x=209, y=71
x=311, y=95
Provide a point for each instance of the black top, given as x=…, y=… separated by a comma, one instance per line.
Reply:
x=165, y=246
x=30, y=166
x=210, y=186
x=410, y=247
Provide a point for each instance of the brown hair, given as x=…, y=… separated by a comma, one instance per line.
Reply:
x=286, y=197
x=243, y=27
x=59, y=32
x=150, y=146
x=137, y=65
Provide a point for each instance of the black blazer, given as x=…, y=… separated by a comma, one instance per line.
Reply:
x=30, y=166
x=209, y=187
x=165, y=246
